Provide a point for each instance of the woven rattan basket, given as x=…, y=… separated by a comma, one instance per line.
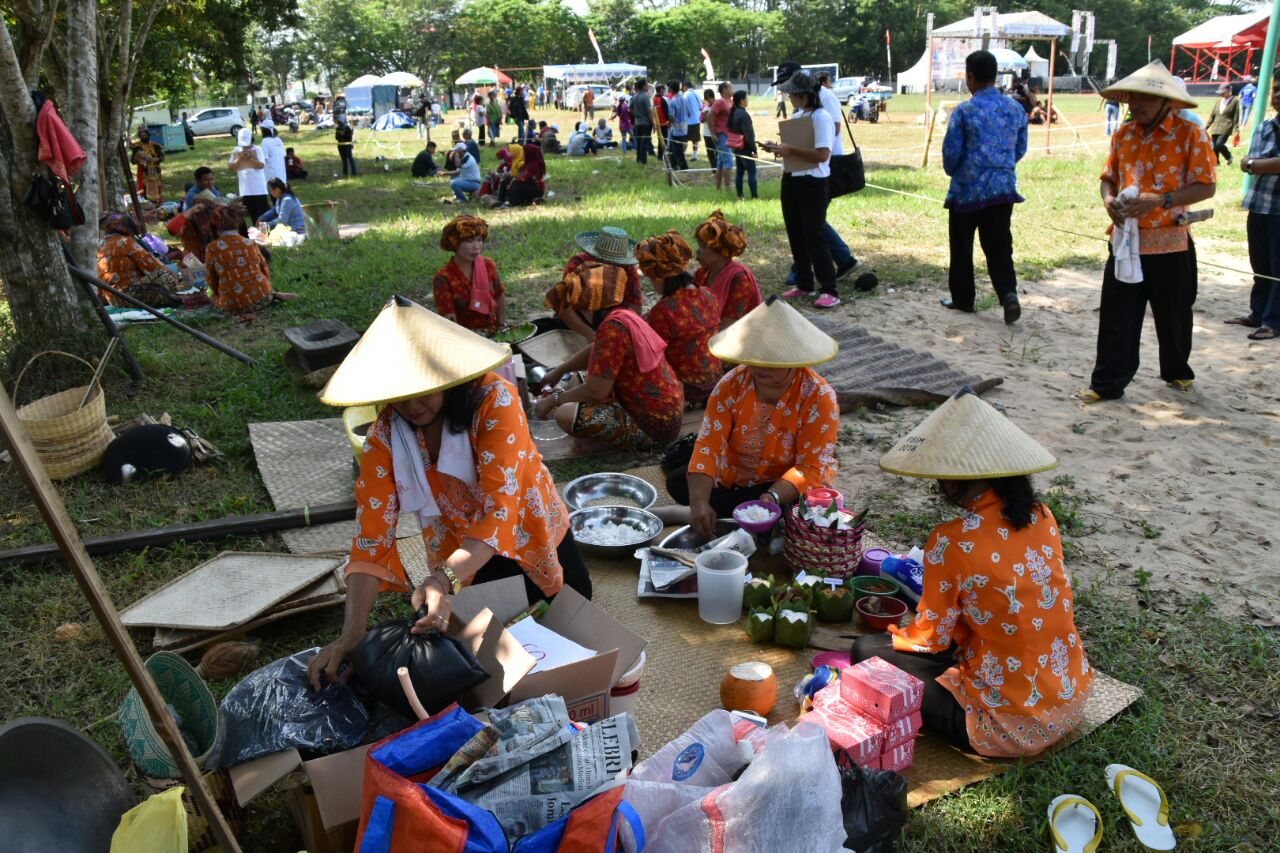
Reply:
x=69, y=438
x=820, y=550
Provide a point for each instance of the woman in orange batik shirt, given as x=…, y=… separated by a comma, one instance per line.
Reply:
x=450, y=445
x=994, y=639
x=770, y=429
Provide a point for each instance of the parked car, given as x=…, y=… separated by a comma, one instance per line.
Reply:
x=604, y=96
x=846, y=88
x=212, y=121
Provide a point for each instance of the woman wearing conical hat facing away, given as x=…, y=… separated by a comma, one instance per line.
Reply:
x=994, y=639
x=608, y=248
x=631, y=398
x=686, y=315
x=734, y=285
x=770, y=429
x=451, y=445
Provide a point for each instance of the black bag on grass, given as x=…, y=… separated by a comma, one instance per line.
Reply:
x=874, y=804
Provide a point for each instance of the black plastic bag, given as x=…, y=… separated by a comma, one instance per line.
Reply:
x=874, y=803
x=274, y=708
x=440, y=667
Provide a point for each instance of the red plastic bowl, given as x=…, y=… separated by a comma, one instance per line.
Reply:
x=757, y=526
x=878, y=612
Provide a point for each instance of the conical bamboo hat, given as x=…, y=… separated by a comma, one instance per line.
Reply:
x=1151, y=79
x=966, y=439
x=408, y=352
x=773, y=334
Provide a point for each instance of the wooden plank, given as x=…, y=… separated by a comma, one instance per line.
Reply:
x=73, y=552
x=236, y=525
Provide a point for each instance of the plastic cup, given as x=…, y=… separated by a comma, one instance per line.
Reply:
x=721, y=575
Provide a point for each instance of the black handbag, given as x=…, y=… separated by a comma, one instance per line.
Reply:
x=679, y=453
x=48, y=196
x=440, y=667
x=847, y=172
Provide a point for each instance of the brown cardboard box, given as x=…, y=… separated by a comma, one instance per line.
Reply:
x=584, y=685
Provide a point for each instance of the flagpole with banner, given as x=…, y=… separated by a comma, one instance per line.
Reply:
x=591, y=35
x=888, y=57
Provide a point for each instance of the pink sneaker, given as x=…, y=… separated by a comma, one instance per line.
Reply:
x=826, y=300
x=796, y=293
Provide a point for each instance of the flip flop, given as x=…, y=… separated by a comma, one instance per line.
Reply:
x=1264, y=333
x=1088, y=396
x=1183, y=385
x=1074, y=825
x=1246, y=321
x=1145, y=804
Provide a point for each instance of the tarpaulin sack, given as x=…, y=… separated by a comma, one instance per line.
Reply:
x=274, y=708
x=441, y=668
x=401, y=813
x=874, y=803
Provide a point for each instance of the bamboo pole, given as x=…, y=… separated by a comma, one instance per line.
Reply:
x=68, y=538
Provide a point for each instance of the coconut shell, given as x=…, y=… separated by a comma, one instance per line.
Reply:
x=226, y=660
x=750, y=687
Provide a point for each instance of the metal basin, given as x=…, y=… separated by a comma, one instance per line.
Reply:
x=688, y=539
x=594, y=487
x=647, y=526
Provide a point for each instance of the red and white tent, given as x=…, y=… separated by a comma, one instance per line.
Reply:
x=1221, y=49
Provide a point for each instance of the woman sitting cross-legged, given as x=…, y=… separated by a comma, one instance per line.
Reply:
x=238, y=276
x=631, y=398
x=686, y=315
x=994, y=639
x=451, y=446
x=608, y=248
x=770, y=429
x=125, y=264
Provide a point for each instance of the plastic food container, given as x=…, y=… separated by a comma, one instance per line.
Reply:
x=871, y=560
x=721, y=575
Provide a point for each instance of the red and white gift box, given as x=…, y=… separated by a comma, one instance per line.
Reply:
x=898, y=758
x=880, y=690
x=861, y=739
x=902, y=730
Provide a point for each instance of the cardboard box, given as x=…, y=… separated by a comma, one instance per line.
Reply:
x=898, y=758
x=880, y=690
x=585, y=685
x=859, y=739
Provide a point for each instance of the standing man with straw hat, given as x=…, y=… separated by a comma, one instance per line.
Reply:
x=1160, y=164
x=994, y=639
x=771, y=424
x=452, y=446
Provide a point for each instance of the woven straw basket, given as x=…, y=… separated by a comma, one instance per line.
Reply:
x=819, y=550
x=68, y=437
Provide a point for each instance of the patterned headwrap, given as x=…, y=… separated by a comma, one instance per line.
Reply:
x=721, y=237
x=228, y=216
x=117, y=223
x=663, y=256
x=593, y=286
x=460, y=228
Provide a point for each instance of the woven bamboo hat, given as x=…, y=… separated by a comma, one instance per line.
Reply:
x=409, y=352
x=609, y=244
x=773, y=334
x=966, y=439
x=1151, y=79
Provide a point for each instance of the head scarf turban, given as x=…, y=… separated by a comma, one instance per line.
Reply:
x=663, y=256
x=721, y=237
x=460, y=228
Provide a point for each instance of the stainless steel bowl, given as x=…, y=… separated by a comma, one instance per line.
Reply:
x=646, y=524
x=687, y=539
x=593, y=487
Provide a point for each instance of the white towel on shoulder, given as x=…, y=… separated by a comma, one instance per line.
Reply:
x=1124, y=245
x=457, y=459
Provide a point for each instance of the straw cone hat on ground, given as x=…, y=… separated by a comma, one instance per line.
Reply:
x=410, y=352
x=1151, y=79
x=967, y=439
x=609, y=244
x=773, y=334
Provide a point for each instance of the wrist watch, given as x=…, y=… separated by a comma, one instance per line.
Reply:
x=1248, y=165
x=1168, y=201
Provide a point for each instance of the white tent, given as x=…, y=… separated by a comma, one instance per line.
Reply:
x=364, y=80
x=403, y=79
x=1038, y=66
x=961, y=39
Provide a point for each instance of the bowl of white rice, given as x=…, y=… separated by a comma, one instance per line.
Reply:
x=609, y=489
x=613, y=531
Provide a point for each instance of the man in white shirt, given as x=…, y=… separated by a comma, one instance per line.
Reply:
x=249, y=164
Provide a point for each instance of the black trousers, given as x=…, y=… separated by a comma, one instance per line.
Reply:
x=1169, y=284
x=575, y=571
x=675, y=152
x=992, y=225
x=256, y=206
x=723, y=500
x=347, y=153
x=520, y=193
x=1220, y=146
x=804, y=211
x=940, y=713
x=644, y=142
x=781, y=110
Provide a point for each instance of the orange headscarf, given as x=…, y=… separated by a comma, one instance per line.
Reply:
x=591, y=287
x=663, y=256
x=460, y=228
x=721, y=237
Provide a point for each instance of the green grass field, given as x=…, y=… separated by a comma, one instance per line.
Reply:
x=1207, y=726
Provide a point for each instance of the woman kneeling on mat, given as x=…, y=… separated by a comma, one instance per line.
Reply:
x=770, y=429
x=719, y=270
x=451, y=445
x=686, y=315
x=994, y=639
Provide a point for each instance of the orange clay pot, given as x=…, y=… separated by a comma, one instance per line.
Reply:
x=750, y=687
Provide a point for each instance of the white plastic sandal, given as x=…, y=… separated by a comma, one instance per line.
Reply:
x=1145, y=804
x=1074, y=824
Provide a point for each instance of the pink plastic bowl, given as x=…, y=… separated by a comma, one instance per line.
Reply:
x=757, y=526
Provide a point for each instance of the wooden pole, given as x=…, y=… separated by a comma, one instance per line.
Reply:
x=64, y=532
x=1048, y=120
x=131, y=182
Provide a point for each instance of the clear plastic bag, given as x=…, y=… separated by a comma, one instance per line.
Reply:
x=274, y=708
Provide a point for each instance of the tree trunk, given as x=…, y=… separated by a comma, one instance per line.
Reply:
x=82, y=112
x=115, y=89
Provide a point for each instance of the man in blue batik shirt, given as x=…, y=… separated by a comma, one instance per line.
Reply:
x=986, y=137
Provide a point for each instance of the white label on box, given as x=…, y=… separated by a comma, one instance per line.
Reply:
x=547, y=648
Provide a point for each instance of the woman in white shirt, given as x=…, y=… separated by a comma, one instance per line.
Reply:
x=273, y=152
x=804, y=194
x=249, y=164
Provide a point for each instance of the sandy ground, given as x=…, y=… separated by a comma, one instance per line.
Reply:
x=1192, y=466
